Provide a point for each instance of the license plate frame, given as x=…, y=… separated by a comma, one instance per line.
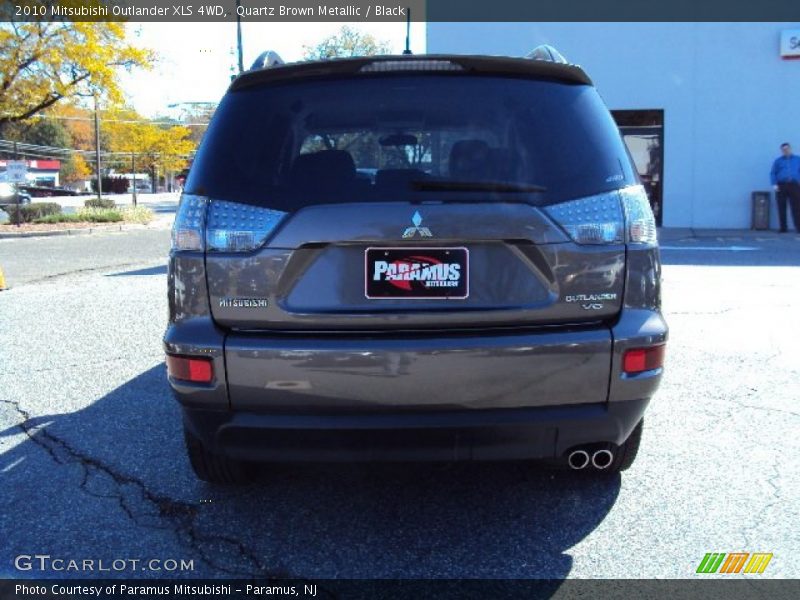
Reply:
x=398, y=282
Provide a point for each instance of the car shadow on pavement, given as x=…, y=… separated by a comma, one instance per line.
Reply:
x=112, y=481
x=157, y=270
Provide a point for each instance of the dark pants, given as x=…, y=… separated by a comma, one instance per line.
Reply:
x=789, y=193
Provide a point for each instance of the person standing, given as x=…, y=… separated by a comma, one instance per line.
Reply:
x=785, y=177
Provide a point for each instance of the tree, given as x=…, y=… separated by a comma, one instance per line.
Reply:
x=200, y=118
x=74, y=169
x=49, y=132
x=172, y=147
x=162, y=147
x=42, y=63
x=79, y=121
x=45, y=132
x=347, y=42
x=198, y=115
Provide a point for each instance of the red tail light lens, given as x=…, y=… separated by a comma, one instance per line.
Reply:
x=185, y=368
x=639, y=360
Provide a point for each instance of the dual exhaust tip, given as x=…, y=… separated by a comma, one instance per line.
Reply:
x=599, y=459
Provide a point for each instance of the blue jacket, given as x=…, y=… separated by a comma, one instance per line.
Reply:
x=785, y=168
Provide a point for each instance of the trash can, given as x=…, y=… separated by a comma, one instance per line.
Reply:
x=760, y=215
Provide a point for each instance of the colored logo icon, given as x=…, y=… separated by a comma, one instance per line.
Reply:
x=734, y=562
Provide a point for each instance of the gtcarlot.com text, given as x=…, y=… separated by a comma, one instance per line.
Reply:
x=48, y=563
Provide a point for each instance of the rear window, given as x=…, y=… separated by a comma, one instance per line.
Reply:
x=396, y=138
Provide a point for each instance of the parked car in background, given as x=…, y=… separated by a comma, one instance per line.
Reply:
x=8, y=195
x=39, y=191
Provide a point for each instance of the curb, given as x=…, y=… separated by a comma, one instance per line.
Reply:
x=81, y=231
x=671, y=234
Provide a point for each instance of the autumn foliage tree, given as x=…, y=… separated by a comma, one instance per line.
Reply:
x=43, y=62
x=164, y=148
x=79, y=121
x=347, y=42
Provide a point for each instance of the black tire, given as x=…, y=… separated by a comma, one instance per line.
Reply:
x=626, y=453
x=214, y=468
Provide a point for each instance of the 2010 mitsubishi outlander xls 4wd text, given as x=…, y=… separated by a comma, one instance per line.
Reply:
x=413, y=258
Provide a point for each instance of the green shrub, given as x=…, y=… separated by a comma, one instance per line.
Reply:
x=99, y=215
x=62, y=218
x=137, y=214
x=84, y=215
x=99, y=203
x=28, y=213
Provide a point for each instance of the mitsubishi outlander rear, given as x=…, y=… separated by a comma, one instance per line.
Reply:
x=413, y=258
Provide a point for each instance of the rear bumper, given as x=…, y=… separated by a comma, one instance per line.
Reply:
x=499, y=434
x=445, y=371
x=516, y=395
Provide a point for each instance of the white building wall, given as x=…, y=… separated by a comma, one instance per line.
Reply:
x=728, y=98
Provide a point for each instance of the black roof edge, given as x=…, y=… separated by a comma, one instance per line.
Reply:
x=476, y=64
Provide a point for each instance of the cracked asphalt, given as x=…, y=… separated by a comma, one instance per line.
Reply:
x=92, y=464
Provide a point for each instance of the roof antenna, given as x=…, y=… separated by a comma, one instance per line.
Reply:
x=408, y=32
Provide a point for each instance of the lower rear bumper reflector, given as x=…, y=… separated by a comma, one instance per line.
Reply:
x=193, y=369
x=639, y=360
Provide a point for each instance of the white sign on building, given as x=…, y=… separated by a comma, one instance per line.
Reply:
x=790, y=43
x=17, y=171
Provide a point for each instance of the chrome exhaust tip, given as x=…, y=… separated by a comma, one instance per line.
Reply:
x=602, y=459
x=578, y=459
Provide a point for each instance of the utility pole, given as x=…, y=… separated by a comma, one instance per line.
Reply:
x=133, y=170
x=97, y=148
x=16, y=188
x=239, y=36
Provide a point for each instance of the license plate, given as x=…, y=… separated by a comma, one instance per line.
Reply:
x=416, y=273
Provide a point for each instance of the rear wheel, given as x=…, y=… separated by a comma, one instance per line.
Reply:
x=626, y=453
x=212, y=467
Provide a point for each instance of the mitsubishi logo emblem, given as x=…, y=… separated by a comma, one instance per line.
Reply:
x=416, y=229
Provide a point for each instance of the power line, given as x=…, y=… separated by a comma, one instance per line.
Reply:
x=104, y=120
x=61, y=152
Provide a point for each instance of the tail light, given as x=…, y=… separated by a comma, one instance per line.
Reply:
x=592, y=220
x=221, y=226
x=187, y=230
x=608, y=218
x=640, y=224
x=188, y=368
x=236, y=227
x=638, y=360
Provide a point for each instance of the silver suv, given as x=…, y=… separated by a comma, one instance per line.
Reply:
x=413, y=258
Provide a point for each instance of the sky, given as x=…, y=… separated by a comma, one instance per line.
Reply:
x=196, y=59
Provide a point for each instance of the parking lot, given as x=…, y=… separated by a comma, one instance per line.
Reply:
x=92, y=462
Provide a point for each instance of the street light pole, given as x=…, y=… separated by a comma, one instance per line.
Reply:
x=97, y=148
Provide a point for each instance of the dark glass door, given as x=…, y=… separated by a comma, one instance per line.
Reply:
x=643, y=133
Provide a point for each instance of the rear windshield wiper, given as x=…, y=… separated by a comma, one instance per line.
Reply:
x=454, y=185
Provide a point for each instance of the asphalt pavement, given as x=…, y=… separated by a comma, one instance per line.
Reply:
x=92, y=463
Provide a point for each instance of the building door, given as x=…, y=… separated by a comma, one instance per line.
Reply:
x=643, y=133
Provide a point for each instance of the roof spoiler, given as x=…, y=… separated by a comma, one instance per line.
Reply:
x=266, y=60
x=491, y=65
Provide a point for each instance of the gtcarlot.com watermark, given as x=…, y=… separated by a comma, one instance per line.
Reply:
x=45, y=563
